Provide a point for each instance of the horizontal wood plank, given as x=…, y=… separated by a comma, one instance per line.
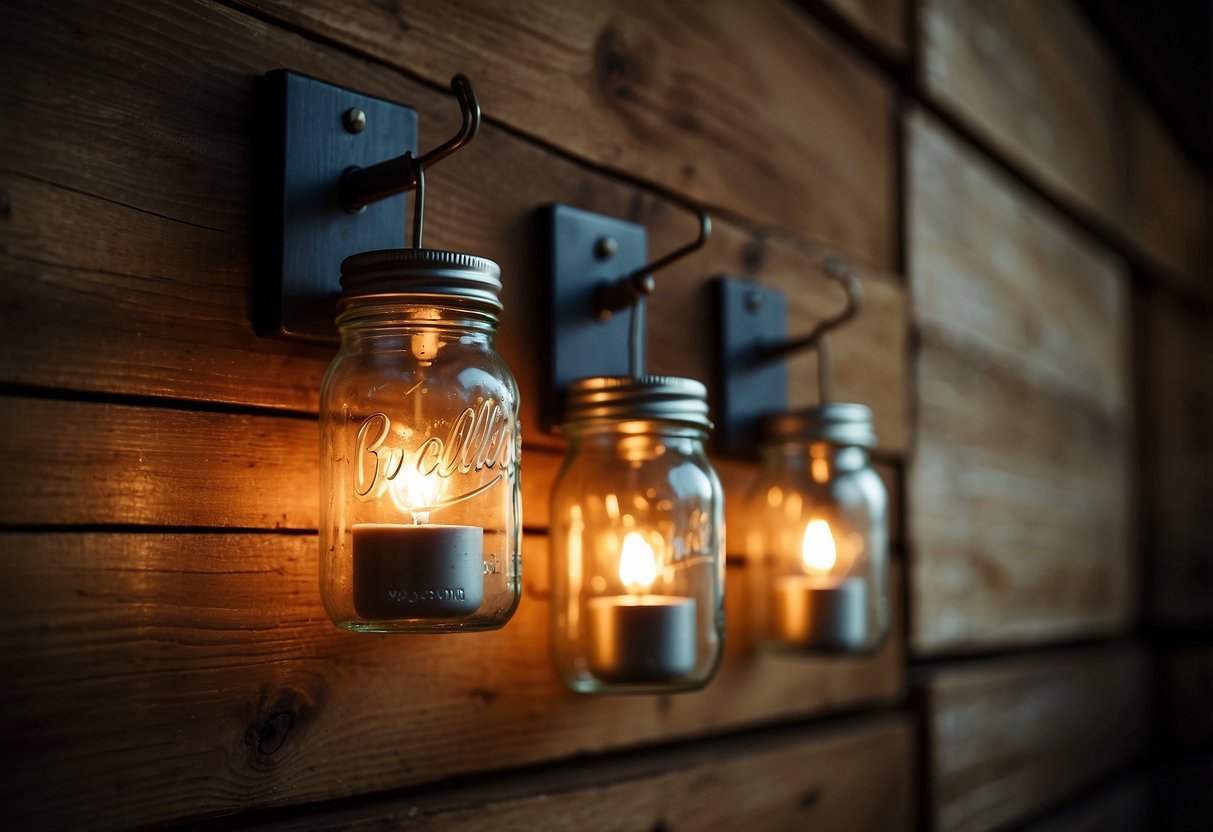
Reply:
x=85, y=309
x=641, y=87
x=1008, y=738
x=1064, y=85
x=1020, y=512
x=201, y=674
x=882, y=22
x=262, y=475
x=1020, y=473
x=854, y=778
x=1037, y=83
x=1169, y=209
x=995, y=270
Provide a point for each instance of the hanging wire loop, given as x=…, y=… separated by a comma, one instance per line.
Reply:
x=362, y=186
x=638, y=284
x=839, y=270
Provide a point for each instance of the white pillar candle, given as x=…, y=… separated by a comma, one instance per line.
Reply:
x=821, y=613
x=642, y=638
x=421, y=571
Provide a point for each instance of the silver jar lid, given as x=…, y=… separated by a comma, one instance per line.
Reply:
x=603, y=400
x=841, y=423
x=420, y=274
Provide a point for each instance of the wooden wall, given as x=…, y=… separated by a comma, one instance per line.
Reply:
x=1056, y=486
x=166, y=656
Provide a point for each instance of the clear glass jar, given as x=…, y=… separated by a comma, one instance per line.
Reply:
x=637, y=539
x=817, y=533
x=420, y=518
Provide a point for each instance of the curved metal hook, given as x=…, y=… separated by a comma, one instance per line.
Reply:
x=838, y=270
x=469, y=106
x=637, y=284
x=362, y=186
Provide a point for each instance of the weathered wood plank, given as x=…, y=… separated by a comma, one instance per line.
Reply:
x=994, y=269
x=84, y=308
x=1038, y=84
x=882, y=22
x=1169, y=209
x=88, y=464
x=1010, y=737
x=854, y=778
x=1020, y=473
x=200, y=673
x=641, y=87
x=1019, y=513
x=1176, y=401
x=264, y=473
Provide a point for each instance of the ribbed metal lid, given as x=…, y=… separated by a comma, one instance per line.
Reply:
x=423, y=273
x=842, y=423
x=669, y=399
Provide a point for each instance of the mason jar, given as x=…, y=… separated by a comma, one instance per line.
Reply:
x=420, y=516
x=817, y=540
x=637, y=539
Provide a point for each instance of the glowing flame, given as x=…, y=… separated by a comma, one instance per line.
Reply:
x=637, y=563
x=414, y=493
x=819, y=551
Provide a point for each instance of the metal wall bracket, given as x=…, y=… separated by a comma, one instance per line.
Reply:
x=751, y=318
x=307, y=134
x=586, y=253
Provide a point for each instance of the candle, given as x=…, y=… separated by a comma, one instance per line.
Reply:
x=819, y=610
x=424, y=571
x=641, y=638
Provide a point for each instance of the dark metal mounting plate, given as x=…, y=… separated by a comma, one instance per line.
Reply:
x=580, y=343
x=301, y=233
x=750, y=316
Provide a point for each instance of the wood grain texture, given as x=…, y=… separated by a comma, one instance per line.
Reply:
x=1169, y=210
x=83, y=308
x=674, y=93
x=882, y=22
x=1176, y=390
x=173, y=473
x=853, y=778
x=166, y=677
x=1019, y=480
x=1035, y=81
x=1010, y=737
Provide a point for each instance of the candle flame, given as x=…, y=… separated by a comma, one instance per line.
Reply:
x=415, y=493
x=819, y=551
x=637, y=563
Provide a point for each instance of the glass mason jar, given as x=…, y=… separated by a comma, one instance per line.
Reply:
x=637, y=539
x=817, y=540
x=420, y=516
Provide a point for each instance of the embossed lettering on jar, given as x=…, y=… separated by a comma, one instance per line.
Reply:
x=420, y=449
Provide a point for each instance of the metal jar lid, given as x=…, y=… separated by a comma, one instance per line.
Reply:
x=603, y=400
x=423, y=274
x=841, y=423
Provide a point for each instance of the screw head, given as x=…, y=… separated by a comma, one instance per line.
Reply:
x=754, y=302
x=606, y=248
x=354, y=120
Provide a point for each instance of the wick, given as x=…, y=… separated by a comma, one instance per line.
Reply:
x=420, y=518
